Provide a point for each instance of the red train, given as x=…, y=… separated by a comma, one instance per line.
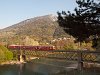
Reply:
x=21, y=47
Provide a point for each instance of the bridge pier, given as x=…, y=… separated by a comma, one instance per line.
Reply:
x=21, y=58
x=80, y=61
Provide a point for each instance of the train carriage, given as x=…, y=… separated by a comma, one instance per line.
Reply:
x=21, y=47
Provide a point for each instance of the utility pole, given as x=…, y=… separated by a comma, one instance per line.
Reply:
x=6, y=39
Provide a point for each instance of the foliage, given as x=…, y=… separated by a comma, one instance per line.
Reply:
x=5, y=54
x=98, y=44
x=70, y=47
x=76, y=46
x=85, y=22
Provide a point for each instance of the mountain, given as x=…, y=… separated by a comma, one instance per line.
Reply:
x=42, y=29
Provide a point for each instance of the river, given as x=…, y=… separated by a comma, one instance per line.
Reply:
x=44, y=67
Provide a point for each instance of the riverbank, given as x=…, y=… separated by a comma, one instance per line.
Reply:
x=12, y=62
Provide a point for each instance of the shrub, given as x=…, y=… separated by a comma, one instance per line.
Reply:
x=5, y=54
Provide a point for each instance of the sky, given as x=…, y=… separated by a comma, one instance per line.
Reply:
x=15, y=11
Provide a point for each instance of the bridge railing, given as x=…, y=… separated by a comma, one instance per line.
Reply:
x=83, y=56
x=74, y=55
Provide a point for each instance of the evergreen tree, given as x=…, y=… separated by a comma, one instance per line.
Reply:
x=85, y=22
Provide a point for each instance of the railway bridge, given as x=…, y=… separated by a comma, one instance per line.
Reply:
x=80, y=56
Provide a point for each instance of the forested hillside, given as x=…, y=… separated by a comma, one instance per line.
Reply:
x=41, y=29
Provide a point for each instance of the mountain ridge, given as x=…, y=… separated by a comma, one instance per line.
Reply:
x=42, y=29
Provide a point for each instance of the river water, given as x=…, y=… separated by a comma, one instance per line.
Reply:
x=44, y=67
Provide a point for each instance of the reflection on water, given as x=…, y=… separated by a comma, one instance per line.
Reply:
x=42, y=67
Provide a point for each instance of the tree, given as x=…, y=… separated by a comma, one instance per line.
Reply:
x=5, y=54
x=85, y=22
